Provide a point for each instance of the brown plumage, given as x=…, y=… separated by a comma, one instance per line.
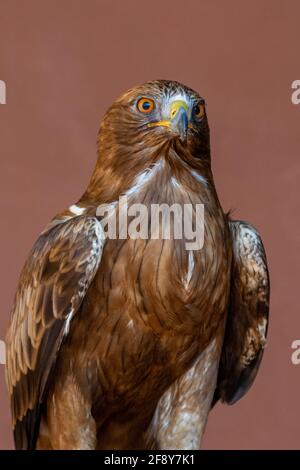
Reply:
x=119, y=343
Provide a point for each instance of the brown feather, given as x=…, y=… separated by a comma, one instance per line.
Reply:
x=143, y=335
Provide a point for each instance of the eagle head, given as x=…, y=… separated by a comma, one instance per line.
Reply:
x=158, y=111
x=159, y=119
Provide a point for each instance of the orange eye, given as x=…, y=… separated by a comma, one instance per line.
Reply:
x=199, y=110
x=145, y=105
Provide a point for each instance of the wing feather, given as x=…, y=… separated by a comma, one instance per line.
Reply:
x=247, y=321
x=52, y=285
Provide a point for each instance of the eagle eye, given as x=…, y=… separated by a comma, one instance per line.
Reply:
x=145, y=105
x=199, y=110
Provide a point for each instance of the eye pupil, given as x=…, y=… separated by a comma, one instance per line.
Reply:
x=146, y=105
x=199, y=110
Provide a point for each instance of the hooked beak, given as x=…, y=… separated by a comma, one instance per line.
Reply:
x=178, y=120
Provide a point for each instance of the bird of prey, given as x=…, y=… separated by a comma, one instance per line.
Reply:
x=127, y=342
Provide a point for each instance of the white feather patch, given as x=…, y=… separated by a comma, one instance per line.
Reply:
x=261, y=328
x=76, y=210
x=68, y=321
x=191, y=265
x=143, y=178
x=198, y=177
x=175, y=182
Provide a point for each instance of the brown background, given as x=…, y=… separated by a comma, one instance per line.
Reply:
x=65, y=61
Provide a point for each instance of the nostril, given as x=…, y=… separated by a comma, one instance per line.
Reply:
x=173, y=112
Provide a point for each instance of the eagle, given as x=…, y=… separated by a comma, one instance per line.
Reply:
x=127, y=342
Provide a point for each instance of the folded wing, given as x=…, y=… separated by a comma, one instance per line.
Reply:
x=247, y=321
x=52, y=286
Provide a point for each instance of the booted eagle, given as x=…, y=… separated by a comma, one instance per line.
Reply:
x=127, y=342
